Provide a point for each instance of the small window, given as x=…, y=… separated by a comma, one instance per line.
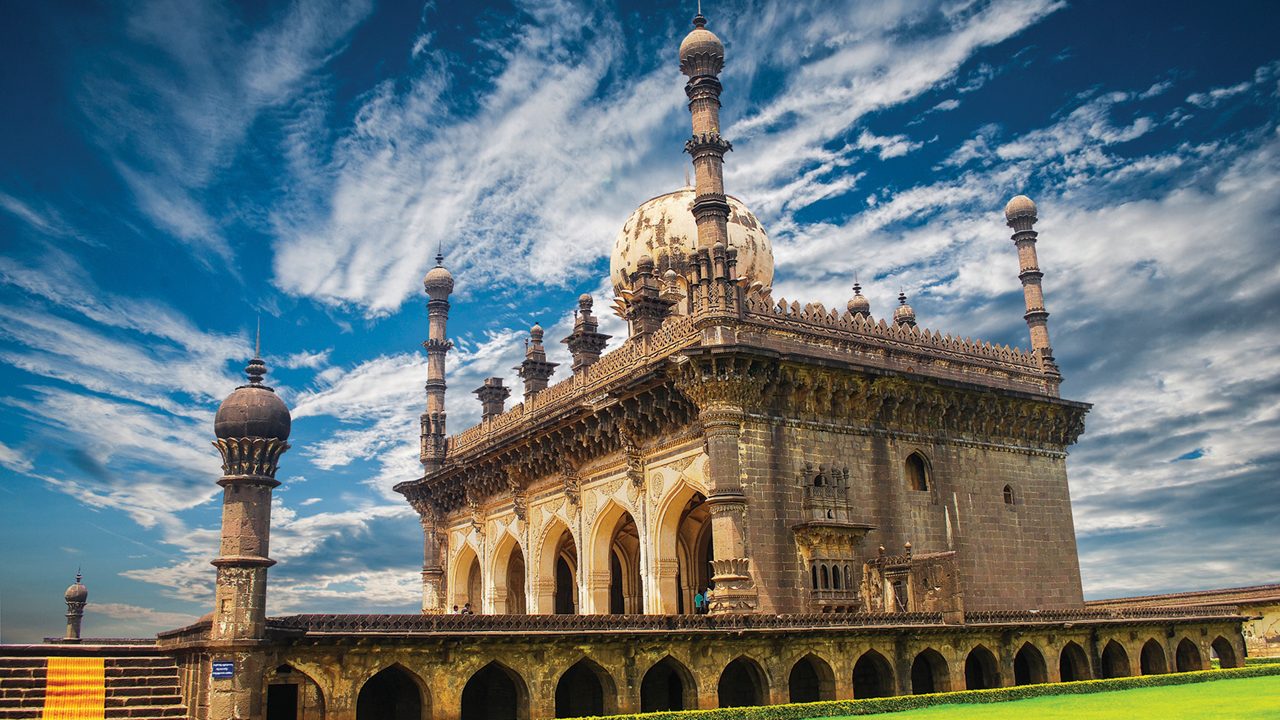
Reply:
x=1008, y=495
x=814, y=570
x=819, y=480
x=917, y=472
x=826, y=578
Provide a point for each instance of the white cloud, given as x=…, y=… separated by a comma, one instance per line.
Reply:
x=14, y=460
x=887, y=147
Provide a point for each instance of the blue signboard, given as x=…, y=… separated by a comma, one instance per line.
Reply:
x=223, y=669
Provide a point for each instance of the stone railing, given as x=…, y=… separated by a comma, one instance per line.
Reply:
x=587, y=623
x=1086, y=614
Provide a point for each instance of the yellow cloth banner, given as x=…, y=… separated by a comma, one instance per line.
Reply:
x=75, y=689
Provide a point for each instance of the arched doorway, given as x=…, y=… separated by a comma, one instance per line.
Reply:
x=1152, y=660
x=811, y=680
x=1029, y=667
x=929, y=673
x=667, y=685
x=1226, y=652
x=872, y=676
x=392, y=694
x=508, y=576
x=1187, y=657
x=683, y=533
x=1115, y=661
x=293, y=695
x=495, y=692
x=742, y=684
x=1073, y=664
x=585, y=689
x=555, y=571
x=981, y=670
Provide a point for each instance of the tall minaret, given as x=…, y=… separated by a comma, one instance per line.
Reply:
x=76, y=596
x=438, y=284
x=701, y=59
x=1020, y=214
x=252, y=429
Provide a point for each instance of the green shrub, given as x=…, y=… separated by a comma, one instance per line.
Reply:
x=833, y=708
x=1261, y=661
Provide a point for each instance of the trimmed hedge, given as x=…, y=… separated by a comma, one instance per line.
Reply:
x=835, y=708
x=1261, y=661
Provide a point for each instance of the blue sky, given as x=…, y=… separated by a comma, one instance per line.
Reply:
x=170, y=171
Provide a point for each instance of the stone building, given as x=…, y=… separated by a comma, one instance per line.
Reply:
x=870, y=507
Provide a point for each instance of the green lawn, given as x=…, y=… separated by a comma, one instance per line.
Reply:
x=1242, y=699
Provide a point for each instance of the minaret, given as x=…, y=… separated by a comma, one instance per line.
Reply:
x=252, y=429
x=76, y=596
x=701, y=59
x=535, y=370
x=586, y=342
x=1020, y=214
x=438, y=284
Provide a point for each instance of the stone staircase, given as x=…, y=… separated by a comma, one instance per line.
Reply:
x=141, y=683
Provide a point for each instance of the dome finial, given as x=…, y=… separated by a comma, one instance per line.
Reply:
x=256, y=369
x=904, y=315
x=699, y=20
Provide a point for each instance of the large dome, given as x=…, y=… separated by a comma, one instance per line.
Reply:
x=664, y=229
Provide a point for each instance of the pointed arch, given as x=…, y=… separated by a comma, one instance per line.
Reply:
x=811, y=680
x=586, y=689
x=668, y=685
x=1073, y=663
x=682, y=534
x=743, y=683
x=1152, y=660
x=1187, y=657
x=872, y=676
x=393, y=693
x=462, y=578
x=981, y=671
x=294, y=693
x=1226, y=652
x=615, y=545
x=557, y=566
x=508, y=576
x=916, y=470
x=495, y=691
x=929, y=673
x=1115, y=660
x=1029, y=666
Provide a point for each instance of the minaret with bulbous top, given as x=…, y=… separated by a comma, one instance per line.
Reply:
x=76, y=596
x=252, y=429
x=438, y=284
x=1020, y=214
x=702, y=59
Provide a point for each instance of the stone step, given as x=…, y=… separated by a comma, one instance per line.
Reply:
x=154, y=712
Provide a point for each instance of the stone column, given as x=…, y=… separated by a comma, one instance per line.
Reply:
x=433, y=583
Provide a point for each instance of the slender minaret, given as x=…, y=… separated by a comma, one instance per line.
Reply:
x=438, y=284
x=252, y=429
x=1020, y=214
x=76, y=596
x=701, y=59
x=535, y=370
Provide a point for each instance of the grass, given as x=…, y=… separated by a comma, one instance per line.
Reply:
x=1228, y=699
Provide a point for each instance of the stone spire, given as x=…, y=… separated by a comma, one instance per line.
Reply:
x=702, y=59
x=438, y=284
x=252, y=429
x=904, y=315
x=76, y=596
x=858, y=305
x=493, y=396
x=535, y=370
x=586, y=342
x=1020, y=215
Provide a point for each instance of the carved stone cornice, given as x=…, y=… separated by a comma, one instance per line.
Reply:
x=718, y=383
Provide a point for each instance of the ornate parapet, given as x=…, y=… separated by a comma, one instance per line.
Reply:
x=250, y=457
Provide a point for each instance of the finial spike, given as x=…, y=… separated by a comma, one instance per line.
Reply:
x=257, y=342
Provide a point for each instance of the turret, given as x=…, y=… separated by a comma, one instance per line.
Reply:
x=493, y=397
x=1020, y=214
x=858, y=305
x=535, y=370
x=76, y=597
x=904, y=315
x=586, y=342
x=438, y=284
